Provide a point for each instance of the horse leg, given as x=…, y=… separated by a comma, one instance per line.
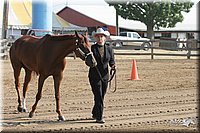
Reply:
x=57, y=80
x=39, y=94
x=25, y=88
x=17, y=87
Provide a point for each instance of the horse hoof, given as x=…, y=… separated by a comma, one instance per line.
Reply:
x=19, y=108
x=31, y=115
x=24, y=110
x=61, y=118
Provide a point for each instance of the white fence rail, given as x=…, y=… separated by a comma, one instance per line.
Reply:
x=189, y=46
x=171, y=45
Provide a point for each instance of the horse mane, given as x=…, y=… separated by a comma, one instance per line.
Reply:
x=61, y=37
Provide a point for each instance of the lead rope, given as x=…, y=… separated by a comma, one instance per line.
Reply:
x=113, y=74
x=74, y=55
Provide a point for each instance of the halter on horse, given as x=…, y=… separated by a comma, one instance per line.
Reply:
x=46, y=57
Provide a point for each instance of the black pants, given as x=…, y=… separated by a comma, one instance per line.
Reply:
x=99, y=90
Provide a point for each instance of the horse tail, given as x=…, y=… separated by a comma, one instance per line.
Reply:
x=13, y=44
x=13, y=47
x=11, y=51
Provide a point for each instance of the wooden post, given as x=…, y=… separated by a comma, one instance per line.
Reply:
x=5, y=19
x=117, y=24
x=188, y=49
x=188, y=53
x=152, y=50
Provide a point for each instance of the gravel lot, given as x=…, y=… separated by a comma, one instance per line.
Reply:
x=163, y=99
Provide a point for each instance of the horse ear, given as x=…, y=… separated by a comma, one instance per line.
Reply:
x=85, y=39
x=76, y=33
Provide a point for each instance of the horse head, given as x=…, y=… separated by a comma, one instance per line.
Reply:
x=83, y=50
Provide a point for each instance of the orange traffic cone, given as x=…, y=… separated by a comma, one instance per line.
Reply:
x=134, y=73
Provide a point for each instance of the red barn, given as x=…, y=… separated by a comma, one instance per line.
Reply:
x=79, y=19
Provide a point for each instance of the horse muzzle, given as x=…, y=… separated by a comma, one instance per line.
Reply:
x=90, y=60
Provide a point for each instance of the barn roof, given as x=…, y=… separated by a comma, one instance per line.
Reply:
x=78, y=18
x=96, y=15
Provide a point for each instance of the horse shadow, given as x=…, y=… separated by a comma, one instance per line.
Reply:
x=25, y=120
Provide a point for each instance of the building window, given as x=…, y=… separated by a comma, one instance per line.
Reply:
x=167, y=35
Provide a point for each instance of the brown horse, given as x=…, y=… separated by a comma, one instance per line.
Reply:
x=46, y=57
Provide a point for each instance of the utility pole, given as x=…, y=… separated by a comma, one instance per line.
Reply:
x=5, y=19
x=117, y=24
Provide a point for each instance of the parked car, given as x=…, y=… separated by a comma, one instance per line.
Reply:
x=38, y=32
x=4, y=49
x=143, y=43
x=11, y=38
x=35, y=32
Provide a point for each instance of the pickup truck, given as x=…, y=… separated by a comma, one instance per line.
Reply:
x=144, y=43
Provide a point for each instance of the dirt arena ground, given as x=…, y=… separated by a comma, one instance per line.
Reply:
x=164, y=99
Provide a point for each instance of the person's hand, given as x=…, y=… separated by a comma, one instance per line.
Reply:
x=113, y=67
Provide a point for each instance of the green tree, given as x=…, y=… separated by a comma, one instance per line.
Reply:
x=153, y=14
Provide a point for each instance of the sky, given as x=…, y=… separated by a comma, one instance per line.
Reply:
x=101, y=7
x=59, y=4
x=95, y=8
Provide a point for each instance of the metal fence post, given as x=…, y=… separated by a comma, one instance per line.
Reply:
x=152, y=50
x=188, y=54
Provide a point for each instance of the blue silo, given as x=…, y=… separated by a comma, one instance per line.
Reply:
x=42, y=14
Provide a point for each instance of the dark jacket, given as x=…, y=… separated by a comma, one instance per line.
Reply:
x=102, y=62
